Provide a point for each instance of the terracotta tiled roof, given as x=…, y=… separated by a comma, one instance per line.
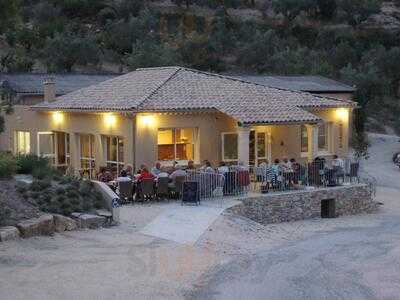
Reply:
x=177, y=88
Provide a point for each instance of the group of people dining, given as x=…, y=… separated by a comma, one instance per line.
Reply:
x=290, y=172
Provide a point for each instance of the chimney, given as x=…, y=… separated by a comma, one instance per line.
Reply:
x=49, y=89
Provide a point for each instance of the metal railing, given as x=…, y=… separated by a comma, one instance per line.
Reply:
x=240, y=180
x=298, y=176
x=211, y=185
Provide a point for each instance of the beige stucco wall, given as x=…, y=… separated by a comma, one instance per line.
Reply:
x=209, y=127
x=74, y=123
x=140, y=140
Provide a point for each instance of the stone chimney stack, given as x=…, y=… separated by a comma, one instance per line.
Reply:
x=49, y=89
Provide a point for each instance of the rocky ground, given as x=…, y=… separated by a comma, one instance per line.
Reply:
x=12, y=201
x=352, y=257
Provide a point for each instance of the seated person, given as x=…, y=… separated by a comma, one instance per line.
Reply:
x=162, y=174
x=204, y=166
x=276, y=167
x=129, y=170
x=177, y=173
x=263, y=164
x=223, y=168
x=156, y=169
x=337, y=162
x=145, y=174
x=123, y=177
x=104, y=175
x=208, y=168
x=191, y=165
x=286, y=165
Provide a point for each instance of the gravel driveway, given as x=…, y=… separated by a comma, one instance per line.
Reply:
x=354, y=257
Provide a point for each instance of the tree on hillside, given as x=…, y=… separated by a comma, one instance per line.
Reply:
x=8, y=13
x=290, y=9
x=150, y=53
x=357, y=11
x=327, y=8
x=66, y=49
x=5, y=106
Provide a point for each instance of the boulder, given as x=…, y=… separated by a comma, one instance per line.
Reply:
x=62, y=223
x=8, y=233
x=44, y=225
x=89, y=221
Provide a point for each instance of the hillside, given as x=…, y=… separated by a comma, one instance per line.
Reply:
x=356, y=41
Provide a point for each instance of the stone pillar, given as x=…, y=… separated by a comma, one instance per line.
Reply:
x=312, y=133
x=99, y=151
x=243, y=145
x=129, y=147
x=74, y=150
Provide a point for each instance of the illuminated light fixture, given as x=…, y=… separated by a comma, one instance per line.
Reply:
x=147, y=120
x=58, y=117
x=342, y=114
x=110, y=119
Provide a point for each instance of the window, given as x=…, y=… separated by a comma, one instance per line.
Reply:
x=175, y=144
x=340, y=135
x=63, y=149
x=22, y=142
x=322, y=137
x=230, y=147
x=115, y=153
x=304, y=138
x=87, y=155
x=46, y=145
x=261, y=145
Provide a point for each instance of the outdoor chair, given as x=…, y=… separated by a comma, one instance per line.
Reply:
x=162, y=187
x=147, y=189
x=339, y=173
x=353, y=174
x=230, y=183
x=178, y=185
x=125, y=189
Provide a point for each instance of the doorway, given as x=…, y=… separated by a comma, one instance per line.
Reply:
x=258, y=147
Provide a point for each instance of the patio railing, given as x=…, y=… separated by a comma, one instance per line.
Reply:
x=211, y=185
x=240, y=180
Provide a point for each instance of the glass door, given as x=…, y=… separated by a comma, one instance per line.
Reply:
x=257, y=148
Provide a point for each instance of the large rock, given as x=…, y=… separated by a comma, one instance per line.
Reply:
x=89, y=221
x=8, y=233
x=62, y=223
x=44, y=225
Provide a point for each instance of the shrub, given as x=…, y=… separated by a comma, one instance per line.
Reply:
x=65, y=196
x=7, y=165
x=27, y=163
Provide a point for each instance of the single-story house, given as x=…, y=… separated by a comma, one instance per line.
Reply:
x=312, y=84
x=27, y=88
x=178, y=114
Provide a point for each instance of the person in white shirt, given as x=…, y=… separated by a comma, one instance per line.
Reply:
x=286, y=165
x=123, y=177
x=156, y=169
x=337, y=162
x=178, y=172
x=223, y=168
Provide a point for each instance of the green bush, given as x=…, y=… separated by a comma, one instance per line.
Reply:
x=27, y=163
x=7, y=165
x=63, y=197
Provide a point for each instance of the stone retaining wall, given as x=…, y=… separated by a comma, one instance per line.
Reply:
x=305, y=204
